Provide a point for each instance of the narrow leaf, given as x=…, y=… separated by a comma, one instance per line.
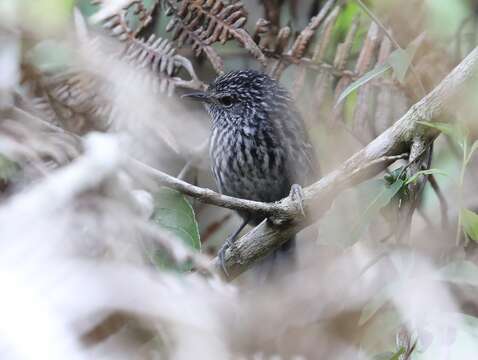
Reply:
x=372, y=74
x=401, y=60
x=383, y=356
x=445, y=128
x=470, y=223
x=396, y=356
x=456, y=132
x=424, y=172
x=459, y=272
x=376, y=303
x=372, y=210
x=472, y=150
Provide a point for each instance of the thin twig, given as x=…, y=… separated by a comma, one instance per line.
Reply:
x=442, y=201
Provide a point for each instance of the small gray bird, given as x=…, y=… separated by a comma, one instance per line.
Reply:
x=259, y=147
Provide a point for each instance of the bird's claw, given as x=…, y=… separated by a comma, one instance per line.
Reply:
x=221, y=255
x=297, y=195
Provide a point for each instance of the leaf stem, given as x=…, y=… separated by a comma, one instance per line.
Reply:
x=460, y=194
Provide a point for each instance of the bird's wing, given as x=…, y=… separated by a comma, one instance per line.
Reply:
x=302, y=164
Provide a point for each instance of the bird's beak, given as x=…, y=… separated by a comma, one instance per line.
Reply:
x=197, y=96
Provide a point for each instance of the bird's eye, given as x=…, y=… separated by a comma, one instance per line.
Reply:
x=226, y=100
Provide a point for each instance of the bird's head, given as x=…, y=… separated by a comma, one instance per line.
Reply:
x=241, y=95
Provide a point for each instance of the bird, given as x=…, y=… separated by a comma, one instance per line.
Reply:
x=259, y=147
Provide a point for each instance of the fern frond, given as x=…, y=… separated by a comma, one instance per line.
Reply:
x=116, y=20
x=155, y=54
x=71, y=100
x=204, y=22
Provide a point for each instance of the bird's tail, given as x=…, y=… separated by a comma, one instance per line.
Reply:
x=280, y=262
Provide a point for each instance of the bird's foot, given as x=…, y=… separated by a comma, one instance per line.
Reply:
x=297, y=195
x=221, y=254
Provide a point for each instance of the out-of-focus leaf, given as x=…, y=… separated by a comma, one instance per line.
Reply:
x=372, y=74
x=396, y=356
x=383, y=356
x=424, y=172
x=381, y=330
x=345, y=19
x=50, y=56
x=460, y=272
x=51, y=15
x=472, y=150
x=376, y=303
x=447, y=129
x=462, y=344
x=8, y=168
x=401, y=59
x=457, y=132
x=470, y=223
x=444, y=17
x=174, y=213
x=373, y=209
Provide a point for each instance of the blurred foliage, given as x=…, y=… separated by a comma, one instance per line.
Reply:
x=51, y=15
x=173, y=213
x=8, y=169
x=445, y=16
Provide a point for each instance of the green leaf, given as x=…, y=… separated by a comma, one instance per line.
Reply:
x=374, y=305
x=424, y=172
x=8, y=168
x=447, y=129
x=173, y=212
x=401, y=59
x=470, y=223
x=383, y=356
x=372, y=74
x=459, y=272
x=456, y=132
x=373, y=209
x=51, y=15
x=396, y=356
x=472, y=150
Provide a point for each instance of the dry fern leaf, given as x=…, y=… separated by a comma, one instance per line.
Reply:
x=159, y=56
x=115, y=20
x=71, y=100
x=27, y=142
x=155, y=54
x=204, y=22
